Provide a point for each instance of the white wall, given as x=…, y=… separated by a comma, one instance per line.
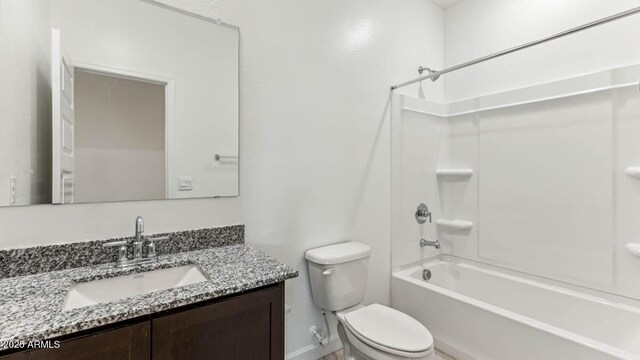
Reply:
x=25, y=100
x=119, y=139
x=478, y=28
x=314, y=136
x=133, y=36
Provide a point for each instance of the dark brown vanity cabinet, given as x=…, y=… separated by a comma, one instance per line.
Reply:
x=128, y=342
x=244, y=327
x=247, y=327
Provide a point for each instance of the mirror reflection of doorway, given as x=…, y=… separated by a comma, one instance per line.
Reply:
x=120, y=150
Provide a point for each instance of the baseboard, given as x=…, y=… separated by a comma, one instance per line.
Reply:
x=315, y=352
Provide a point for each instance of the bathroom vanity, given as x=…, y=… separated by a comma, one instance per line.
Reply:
x=208, y=296
x=246, y=326
x=116, y=117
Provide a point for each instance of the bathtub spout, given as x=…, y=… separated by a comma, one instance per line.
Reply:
x=425, y=242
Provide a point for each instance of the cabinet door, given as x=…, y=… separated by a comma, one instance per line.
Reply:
x=126, y=343
x=247, y=327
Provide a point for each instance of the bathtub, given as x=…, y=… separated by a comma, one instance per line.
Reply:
x=476, y=311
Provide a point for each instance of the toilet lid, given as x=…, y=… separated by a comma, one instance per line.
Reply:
x=389, y=328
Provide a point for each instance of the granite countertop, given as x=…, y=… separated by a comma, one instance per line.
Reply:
x=31, y=306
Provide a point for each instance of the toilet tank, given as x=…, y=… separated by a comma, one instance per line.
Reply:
x=338, y=274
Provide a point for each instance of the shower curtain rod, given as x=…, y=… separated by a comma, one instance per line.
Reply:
x=434, y=75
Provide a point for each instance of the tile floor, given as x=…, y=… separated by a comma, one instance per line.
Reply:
x=338, y=356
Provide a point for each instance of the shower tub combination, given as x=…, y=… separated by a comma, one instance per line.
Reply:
x=477, y=311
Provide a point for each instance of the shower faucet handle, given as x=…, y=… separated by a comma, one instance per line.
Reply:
x=423, y=214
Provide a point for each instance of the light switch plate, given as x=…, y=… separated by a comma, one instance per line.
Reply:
x=185, y=183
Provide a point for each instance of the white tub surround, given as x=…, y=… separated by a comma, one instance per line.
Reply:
x=614, y=78
x=477, y=311
x=553, y=189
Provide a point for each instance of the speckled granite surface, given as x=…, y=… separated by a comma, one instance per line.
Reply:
x=38, y=259
x=31, y=306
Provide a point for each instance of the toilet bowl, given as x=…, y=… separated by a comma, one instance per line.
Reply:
x=382, y=333
x=338, y=275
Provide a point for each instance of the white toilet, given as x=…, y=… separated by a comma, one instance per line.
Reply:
x=338, y=275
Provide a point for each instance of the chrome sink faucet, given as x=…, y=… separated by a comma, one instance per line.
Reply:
x=139, y=241
x=136, y=244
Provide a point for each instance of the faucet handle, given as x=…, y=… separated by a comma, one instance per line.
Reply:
x=151, y=250
x=122, y=250
x=423, y=214
x=157, y=238
x=115, y=243
x=151, y=247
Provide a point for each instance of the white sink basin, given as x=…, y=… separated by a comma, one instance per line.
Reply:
x=107, y=290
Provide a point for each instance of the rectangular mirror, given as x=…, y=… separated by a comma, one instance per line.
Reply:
x=115, y=100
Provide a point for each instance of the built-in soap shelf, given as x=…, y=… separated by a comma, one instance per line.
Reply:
x=459, y=225
x=454, y=173
x=634, y=249
x=633, y=171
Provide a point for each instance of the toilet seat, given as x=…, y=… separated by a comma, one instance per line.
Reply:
x=388, y=330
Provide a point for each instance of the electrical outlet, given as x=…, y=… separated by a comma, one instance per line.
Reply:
x=12, y=190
